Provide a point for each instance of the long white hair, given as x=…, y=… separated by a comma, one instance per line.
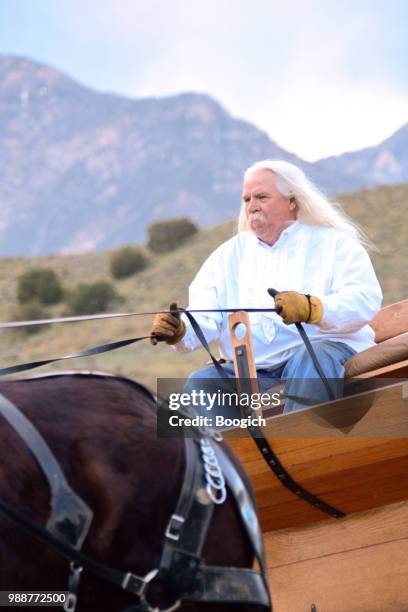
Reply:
x=313, y=208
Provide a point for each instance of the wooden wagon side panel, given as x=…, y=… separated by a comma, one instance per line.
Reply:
x=353, y=453
x=358, y=564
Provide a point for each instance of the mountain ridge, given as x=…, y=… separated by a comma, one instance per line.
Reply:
x=83, y=170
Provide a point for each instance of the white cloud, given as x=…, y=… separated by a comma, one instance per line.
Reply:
x=344, y=119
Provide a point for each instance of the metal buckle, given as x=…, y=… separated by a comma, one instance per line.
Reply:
x=70, y=603
x=144, y=581
x=141, y=593
x=176, y=521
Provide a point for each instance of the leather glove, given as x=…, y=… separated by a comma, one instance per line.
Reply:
x=297, y=307
x=167, y=327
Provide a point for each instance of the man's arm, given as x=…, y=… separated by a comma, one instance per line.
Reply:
x=206, y=291
x=356, y=295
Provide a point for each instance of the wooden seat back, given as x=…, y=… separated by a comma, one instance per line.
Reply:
x=391, y=321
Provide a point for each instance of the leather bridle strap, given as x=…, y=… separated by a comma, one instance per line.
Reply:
x=127, y=581
x=70, y=516
x=185, y=500
x=181, y=562
x=232, y=585
x=196, y=516
x=244, y=504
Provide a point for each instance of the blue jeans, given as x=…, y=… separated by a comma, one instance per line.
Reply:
x=299, y=374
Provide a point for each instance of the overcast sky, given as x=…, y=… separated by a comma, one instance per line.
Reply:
x=320, y=76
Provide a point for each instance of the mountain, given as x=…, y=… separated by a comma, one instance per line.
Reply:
x=384, y=164
x=82, y=170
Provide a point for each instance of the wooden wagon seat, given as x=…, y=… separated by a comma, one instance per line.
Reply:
x=391, y=335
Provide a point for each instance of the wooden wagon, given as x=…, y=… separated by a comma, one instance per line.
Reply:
x=353, y=454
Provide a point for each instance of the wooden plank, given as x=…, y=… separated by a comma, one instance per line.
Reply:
x=324, y=461
x=396, y=370
x=236, y=320
x=352, y=471
x=360, y=530
x=357, y=490
x=300, y=514
x=370, y=579
x=372, y=414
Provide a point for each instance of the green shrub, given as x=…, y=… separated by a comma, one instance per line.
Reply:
x=39, y=284
x=91, y=298
x=127, y=261
x=168, y=235
x=31, y=311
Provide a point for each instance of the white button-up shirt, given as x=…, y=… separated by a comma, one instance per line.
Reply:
x=317, y=260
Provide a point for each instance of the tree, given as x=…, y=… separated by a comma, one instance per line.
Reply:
x=91, y=298
x=127, y=261
x=41, y=284
x=168, y=235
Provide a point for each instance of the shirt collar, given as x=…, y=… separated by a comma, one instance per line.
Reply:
x=289, y=231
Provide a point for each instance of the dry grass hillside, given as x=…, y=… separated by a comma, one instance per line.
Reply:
x=381, y=211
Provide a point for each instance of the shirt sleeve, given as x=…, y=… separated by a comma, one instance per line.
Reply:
x=355, y=296
x=205, y=292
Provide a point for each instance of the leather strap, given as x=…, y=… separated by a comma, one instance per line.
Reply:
x=130, y=582
x=185, y=500
x=313, y=356
x=232, y=585
x=244, y=503
x=195, y=516
x=181, y=562
x=96, y=350
x=70, y=516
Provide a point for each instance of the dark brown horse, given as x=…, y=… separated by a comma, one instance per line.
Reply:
x=102, y=429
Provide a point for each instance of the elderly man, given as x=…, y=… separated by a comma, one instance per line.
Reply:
x=293, y=239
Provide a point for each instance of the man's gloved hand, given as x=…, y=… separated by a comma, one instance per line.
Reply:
x=168, y=327
x=297, y=307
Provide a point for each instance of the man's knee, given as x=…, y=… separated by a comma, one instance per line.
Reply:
x=301, y=365
x=198, y=374
x=207, y=379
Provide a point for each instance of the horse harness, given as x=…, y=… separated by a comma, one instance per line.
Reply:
x=182, y=569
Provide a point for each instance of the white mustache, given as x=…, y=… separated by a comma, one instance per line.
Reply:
x=256, y=216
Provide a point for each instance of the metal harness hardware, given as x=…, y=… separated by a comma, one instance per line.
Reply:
x=141, y=593
x=215, y=487
x=174, y=526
